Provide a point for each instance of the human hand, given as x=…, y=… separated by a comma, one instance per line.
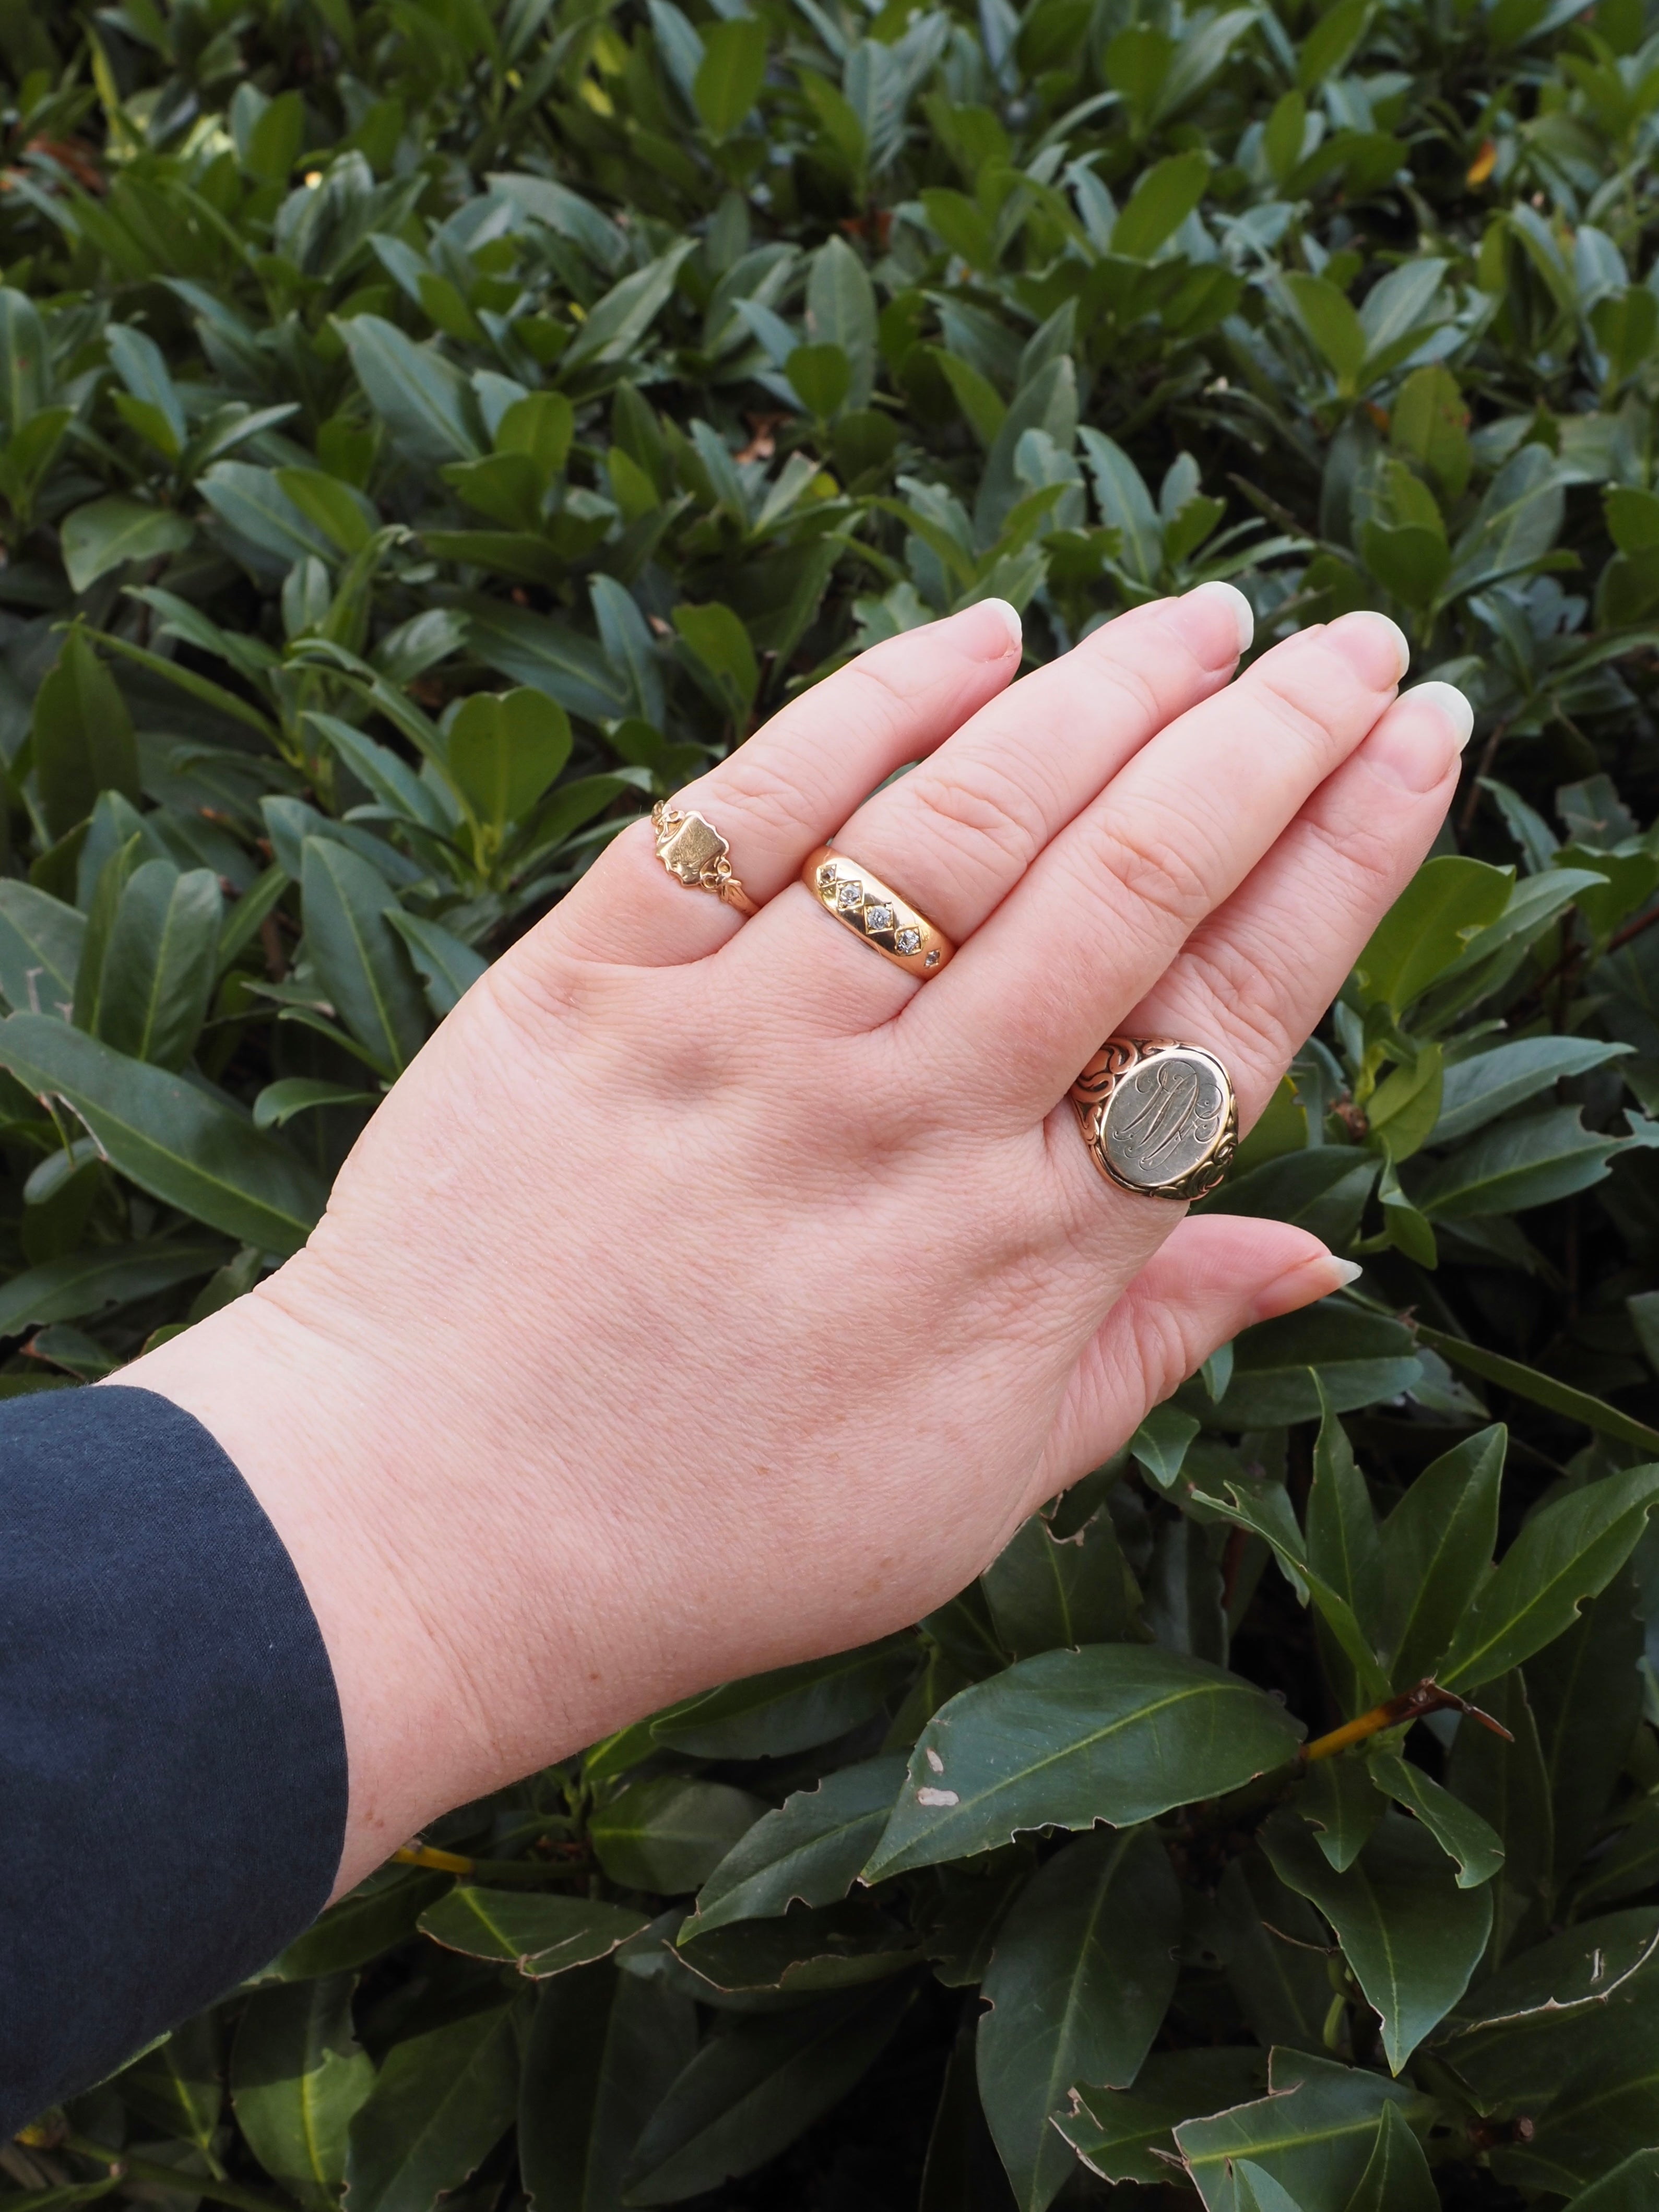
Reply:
x=710, y=1294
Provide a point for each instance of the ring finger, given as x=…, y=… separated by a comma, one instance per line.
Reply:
x=955, y=834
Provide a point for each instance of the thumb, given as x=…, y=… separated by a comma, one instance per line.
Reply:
x=1217, y=1274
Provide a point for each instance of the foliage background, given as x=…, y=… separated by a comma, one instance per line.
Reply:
x=430, y=430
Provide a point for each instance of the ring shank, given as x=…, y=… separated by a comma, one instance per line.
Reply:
x=873, y=911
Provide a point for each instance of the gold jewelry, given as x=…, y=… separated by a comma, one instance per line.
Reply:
x=864, y=904
x=693, y=850
x=1159, y=1118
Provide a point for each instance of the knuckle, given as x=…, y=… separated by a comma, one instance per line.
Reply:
x=1157, y=867
x=982, y=818
x=1121, y=674
x=1161, y=1353
x=1247, y=1003
x=780, y=799
x=1285, y=702
x=1364, y=860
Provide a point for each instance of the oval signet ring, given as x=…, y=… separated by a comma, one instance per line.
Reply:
x=1159, y=1118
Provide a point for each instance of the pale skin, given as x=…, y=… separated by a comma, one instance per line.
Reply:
x=710, y=1294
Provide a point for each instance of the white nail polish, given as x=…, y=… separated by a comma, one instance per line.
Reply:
x=1401, y=643
x=1452, y=704
x=1010, y=617
x=1346, y=1271
x=1238, y=606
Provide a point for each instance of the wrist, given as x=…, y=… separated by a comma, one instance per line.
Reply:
x=419, y=1594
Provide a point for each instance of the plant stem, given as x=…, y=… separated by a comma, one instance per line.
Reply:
x=1410, y=1706
x=176, y=2178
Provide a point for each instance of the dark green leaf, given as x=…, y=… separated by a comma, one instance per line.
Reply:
x=1126, y=2135
x=1045, y=1590
x=604, y=2050
x=107, y=533
x=1479, y=1089
x=1507, y=1783
x=1083, y=1971
x=1314, y=2132
x=1457, y=1828
x=1567, y=1552
x=1339, y=1803
x=41, y=941
x=730, y=73
x=1397, y=2178
x=767, y=1715
x=805, y=1952
x=1541, y=1390
x=1583, y=1994
x=88, y=1282
x=1113, y=1732
x=539, y=1934
x=361, y=961
x=812, y=1848
x=669, y=1834
x=1450, y=899
x=428, y=405
x=751, y=2090
x=181, y=1143
x=1630, y=2187
x=446, y=967
x=1361, y=1358
x=83, y=740
x=1411, y=1937
x=440, y=2104
x=1586, y=1695
x=297, y=2079
x=160, y=964
x=1273, y=1946
x=1436, y=1549
x=1532, y=1161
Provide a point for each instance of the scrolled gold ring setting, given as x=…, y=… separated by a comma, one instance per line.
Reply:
x=695, y=854
x=1159, y=1117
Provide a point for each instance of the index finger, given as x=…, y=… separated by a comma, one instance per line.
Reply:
x=785, y=788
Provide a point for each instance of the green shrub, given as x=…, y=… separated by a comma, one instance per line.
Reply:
x=430, y=430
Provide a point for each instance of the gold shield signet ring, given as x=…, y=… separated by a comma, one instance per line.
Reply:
x=888, y=923
x=1159, y=1118
x=694, y=854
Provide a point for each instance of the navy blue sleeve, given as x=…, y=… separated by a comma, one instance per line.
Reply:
x=172, y=1768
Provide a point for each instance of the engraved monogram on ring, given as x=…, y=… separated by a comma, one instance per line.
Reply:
x=1159, y=1117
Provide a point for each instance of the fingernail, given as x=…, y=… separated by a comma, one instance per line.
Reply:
x=1408, y=748
x=1237, y=606
x=1008, y=635
x=1213, y=621
x=1375, y=647
x=1344, y=1271
x=1452, y=704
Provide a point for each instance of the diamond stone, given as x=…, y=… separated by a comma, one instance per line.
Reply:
x=850, y=895
x=933, y=958
x=908, y=941
x=827, y=876
x=879, y=917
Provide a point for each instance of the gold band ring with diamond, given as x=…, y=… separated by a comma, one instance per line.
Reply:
x=865, y=905
x=694, y=854
x=1159, y=1118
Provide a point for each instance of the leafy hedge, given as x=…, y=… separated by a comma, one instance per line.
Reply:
x=430, y=430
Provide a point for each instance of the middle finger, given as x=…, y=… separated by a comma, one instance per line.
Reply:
x=955, y=834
